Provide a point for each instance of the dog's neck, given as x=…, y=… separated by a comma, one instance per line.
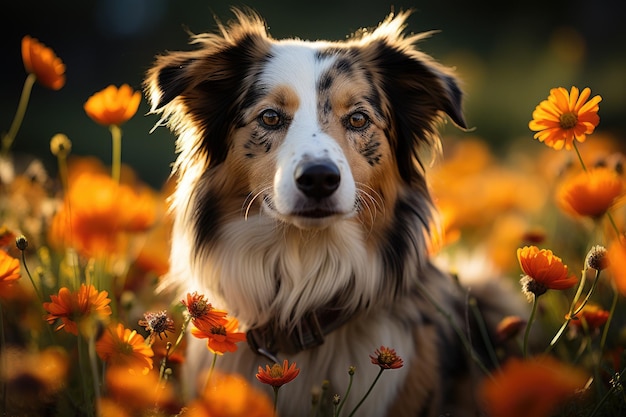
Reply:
x=277, y=277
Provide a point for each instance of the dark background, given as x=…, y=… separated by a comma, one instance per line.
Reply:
x=509, y=56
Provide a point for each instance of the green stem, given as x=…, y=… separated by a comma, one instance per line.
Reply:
x=529, y=325
x=580, y=158
x=93, y=362
x=8, y=139
x=32, y=281
x=367, y=393
x=591, y=290
x=276, y=400
x=605, y=331
x=483, y=332
x=345, y=397
x=84, y=378
x=208, y=380
x=614, y=225
x=116, y=136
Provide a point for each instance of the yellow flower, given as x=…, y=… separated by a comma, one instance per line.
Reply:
x=543, y=271
x=74, y=306
x=590, y=193
x=43, y=62
x=565, y=116
x=119, y=346
x=533, y=387
x=113, y=106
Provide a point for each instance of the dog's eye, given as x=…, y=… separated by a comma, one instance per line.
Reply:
x=357, y=120
x=270, y=118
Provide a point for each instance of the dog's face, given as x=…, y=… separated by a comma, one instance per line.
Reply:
x=308, y=133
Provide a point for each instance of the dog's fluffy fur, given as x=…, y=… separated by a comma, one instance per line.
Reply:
x=301, y=193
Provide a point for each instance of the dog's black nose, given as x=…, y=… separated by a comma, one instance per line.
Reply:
x=317, y=179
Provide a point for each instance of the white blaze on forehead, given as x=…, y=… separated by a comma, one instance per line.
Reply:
x=298, y=66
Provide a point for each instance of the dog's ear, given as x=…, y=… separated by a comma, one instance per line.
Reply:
x=201, y=94
x=417, y=91
x=170, y=76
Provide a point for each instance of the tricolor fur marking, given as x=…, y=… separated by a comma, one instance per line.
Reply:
x=301, y=199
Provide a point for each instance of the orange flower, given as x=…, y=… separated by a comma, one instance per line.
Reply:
x=74, y=306
x=43, y=62
x=534, y=387
x=590, y=193
x=508, y=328
x=138, y=393
x=565, y=116
x=99, y=214
x=9, y=268
x=7, y=237
x=543, y=271
x=278, y=375
x=202, y=313
x=230, y=396
x=119, y=346
x=386, y=358
x=221, y=338
x=9, y=274
x=113, y=106
x=616, y=255
x=594, y=316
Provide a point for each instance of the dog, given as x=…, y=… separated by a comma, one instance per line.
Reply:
x=302, y=208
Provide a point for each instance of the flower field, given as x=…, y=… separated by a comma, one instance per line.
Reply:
x=85, y=328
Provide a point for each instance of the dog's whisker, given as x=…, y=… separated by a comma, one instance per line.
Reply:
x=250, y=200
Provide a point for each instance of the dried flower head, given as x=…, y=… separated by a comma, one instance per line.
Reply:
x=278, y=375
x=386, y=358
x=112, y=105
x=60, y=145
x=43, y=62
x=21, y=242
x=158, y=324
x=543, y=271
x=596, y=258
x=565, y=117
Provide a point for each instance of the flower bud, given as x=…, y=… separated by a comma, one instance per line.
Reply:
x=596, y=258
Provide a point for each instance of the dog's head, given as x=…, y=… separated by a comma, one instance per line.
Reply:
x=308, y=133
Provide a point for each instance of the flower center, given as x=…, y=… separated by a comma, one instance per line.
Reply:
x=221, y=330
x=276, y=371
x=386, y=358
x=568, y=120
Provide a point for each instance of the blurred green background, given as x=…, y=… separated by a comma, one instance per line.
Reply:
x=508, y=54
